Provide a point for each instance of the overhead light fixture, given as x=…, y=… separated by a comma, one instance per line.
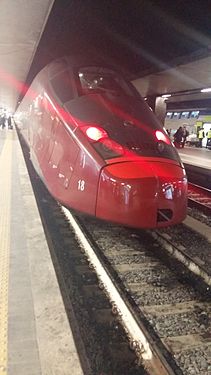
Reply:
x=206, y=90
x=166, y=96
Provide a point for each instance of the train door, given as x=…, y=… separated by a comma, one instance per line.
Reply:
x=38, y=113
x=49, y=125
x=62, y=160
x=35, y=132
x=45, y=120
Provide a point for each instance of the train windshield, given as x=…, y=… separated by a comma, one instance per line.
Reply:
x=102, y=80
x=128, y=125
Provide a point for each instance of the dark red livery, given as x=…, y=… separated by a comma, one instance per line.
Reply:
x=99, y=148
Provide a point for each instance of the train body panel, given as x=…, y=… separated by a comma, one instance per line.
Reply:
x=144, y=194
x=99, y=149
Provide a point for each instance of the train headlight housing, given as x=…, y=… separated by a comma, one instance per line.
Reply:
x=94, y=133
x=102, y=143
x=160, y=136
x=161, y=146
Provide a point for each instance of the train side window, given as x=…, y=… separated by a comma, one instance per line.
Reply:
x=37, y=104
x=169, y=115
x=194, y=114
x=49, y=114
x=63, y=87
x=176, y=115
x=185, y=114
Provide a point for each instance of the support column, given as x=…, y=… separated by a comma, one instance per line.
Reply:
x=160, y=109
x=158, y=105
x=151, y=101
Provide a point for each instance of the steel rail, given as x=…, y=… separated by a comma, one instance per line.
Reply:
x=200, y=198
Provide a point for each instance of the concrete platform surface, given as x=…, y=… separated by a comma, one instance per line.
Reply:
x=200, y=157
x=35, y=336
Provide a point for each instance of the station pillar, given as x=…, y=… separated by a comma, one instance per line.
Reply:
x=158, y=105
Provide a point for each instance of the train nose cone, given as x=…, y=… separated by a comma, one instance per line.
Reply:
x=139, y=194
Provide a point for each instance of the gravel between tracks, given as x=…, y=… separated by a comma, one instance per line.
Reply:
x=193, y=244
x=198, y=215
x=154, y=287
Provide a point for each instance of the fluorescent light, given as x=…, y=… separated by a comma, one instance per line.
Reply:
x=206, y=90
x=166, y=96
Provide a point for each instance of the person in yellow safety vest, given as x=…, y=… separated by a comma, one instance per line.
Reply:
x=201, y=136
x=208, y=134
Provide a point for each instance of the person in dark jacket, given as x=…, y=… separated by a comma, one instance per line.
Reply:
x=9, y=122
x=185, y=135
x=178, y=136
x=2, y=121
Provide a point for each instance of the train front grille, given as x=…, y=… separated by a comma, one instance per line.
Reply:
x=164, y=214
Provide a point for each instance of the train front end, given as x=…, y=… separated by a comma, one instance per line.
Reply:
x=143, y=182
x=142, y=194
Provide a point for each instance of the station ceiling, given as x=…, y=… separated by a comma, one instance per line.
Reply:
x=184, y=82
x=21, y=25
x=162, y=46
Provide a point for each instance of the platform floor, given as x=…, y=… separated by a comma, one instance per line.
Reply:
x=35, y=336
x=200, y=157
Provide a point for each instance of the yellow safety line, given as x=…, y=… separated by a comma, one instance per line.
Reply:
x=5, y=205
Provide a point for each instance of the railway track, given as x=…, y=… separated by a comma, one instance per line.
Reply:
x=173, y=317
x=200, y=198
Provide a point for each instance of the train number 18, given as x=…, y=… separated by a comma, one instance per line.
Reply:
x=81, y=185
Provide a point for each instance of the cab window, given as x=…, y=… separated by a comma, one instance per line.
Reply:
x=103, y=81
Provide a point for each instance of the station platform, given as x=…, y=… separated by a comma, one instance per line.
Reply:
x=199, y=157
x=35, y=335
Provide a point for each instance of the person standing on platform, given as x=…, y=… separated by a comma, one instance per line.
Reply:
x=9, y=122
x=201, y=136
x=178, y=137
x=185, y=135
x=208, y=134
x=2, y=121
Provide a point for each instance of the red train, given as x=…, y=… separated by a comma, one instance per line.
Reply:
x=98, y=147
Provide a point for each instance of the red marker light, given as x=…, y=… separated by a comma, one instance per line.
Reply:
x=162, y=137
x=98, y=134
x=94, y=133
